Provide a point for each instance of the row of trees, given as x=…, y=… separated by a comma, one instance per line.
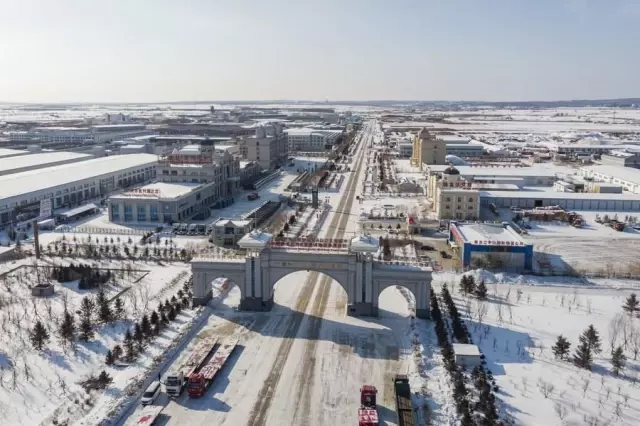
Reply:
x=147, y=328
x=89, y=276
x=458, y=326
x=114, y=251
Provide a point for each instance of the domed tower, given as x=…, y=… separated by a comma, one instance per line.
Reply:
x=451, y=174
x=428, y=150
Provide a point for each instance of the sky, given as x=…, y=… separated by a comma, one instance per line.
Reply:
x=211, y=50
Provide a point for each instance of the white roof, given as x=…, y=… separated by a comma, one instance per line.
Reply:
x=134, y=146
x=623, y=173
x=5, y=152
x=160, y=190
x=364, y=243
x=487, y=232
x=235, y=222
x=554, y=195
x=35, y=180
x=500, y=171
x=40, y=159
x=255, y=239
x=465, y=349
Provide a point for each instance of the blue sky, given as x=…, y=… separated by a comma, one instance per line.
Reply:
x=167, y=50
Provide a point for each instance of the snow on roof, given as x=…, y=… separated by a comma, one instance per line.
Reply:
x=40, y=159
x=486, y=232
x=364, y=243
x=160, y=190
x=222, y=222
x=134, y=146
x=6, y=152
x=547, y=193
x=500, y=171
x=623, y=173
x=244, y=164
x=79, y=210
x=34, y=180
x=255, y=239
x=465, y=349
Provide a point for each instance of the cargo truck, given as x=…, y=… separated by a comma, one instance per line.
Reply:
x=200, y=381
x=404, y=407
x=368, y=411
x=175, y=380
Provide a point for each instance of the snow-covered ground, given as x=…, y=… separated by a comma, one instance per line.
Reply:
x=523, y=317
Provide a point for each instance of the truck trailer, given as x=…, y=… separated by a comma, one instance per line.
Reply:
x=404, y=407
x=368, y=411
x=146, y=417
x=200, y=381
x=177, y=379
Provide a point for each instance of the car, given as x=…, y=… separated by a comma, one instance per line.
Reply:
x=445, y=255
x=151, y=393
x=426, y=247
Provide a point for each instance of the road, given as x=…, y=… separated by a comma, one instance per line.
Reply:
x=304, y=362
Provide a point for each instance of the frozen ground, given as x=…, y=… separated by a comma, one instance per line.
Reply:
x=523, y=317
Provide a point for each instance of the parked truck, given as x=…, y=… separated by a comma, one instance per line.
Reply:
x=404, y=408
x=199, y=381
x=176, y=380
x=253, y=196
x=368, y=411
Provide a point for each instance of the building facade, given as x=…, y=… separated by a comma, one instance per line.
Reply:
x=453, y=197
x=621, y=159
x=428, y=150
x=312, y=140
x=227, y=232
x=267, y=146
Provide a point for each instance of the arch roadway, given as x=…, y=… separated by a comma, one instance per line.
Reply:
x=362, y=278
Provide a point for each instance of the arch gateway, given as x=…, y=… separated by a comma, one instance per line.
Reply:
x=351, y=264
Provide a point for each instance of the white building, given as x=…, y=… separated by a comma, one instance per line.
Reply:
x=627, y=177
x=24, y=163
x=466, y=355
x=71, y=184
x=76, y=135
x=267, y=146
x=311, y=140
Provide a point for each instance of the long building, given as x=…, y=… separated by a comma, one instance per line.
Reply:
x=71, y=184
x=24, y=163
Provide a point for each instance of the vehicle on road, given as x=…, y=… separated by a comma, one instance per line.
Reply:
x=253, y=196
x=151, y=393
x=146, y=417
x=200, y=381
x=426, y=247
x=404, y=407
x=445, y=255
x=368, y=411
x=176, y=380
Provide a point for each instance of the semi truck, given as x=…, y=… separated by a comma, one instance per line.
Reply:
x=199, y=381
x=368, y=411
x=177, y=379
x=145, y=417
x=404, y=407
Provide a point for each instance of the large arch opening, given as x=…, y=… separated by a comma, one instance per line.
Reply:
x=396, y=301
x=315, y=292
x=225, y=293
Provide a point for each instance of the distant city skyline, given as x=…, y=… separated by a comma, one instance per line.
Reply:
x=198, y=50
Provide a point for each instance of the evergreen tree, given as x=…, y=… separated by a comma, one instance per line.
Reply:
x=129, y=346
x=464, y=285
x=172, y=313
x=157, y=328
x=386, y=247
x=145, y=325
x=67, y=328
x=104, y=379
x=163, y=319
x=39, y=335
x=104, y=309
x=561, y=348
x=631, y=305
x=87, y=307
x=582, y=358
x=109, y=359
x=119, y=309
x=618, y=360
x=138, y=336
x=481, y=290
x=86, y=328
x=154, y=318
x=173, y=300
x=117, y=352
x=592, y=338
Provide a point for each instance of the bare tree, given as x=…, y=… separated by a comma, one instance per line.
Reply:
x=585, y=385
x=481, y=310
x=546, y=388
x=615, y=325
x=635, y=343
x=561, y=410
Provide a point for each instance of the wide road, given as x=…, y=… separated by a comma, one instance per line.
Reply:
x=303, y=362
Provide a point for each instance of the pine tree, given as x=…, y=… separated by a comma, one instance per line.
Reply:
x=154, y=318
x=386, y=247
x=618, y=360
x=592, y=338
x=561, y=348
x=104, y=379
x=163, y=319
x=481, y=290
x=117, y=352
x=631, y=305
x=145, y=325
x=119, y=309
x=67, y=328
x=471, y=282
x=138, y=336
x=109, y=359
x=157, y=328
x=582, y=358
x=104, y=309
x=172, y=313
x=129, y=346
x=464, y=285
x=87, y=307
x=86, y=328
x=39, y=335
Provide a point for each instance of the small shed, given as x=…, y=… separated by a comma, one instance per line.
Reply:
x=467, y=356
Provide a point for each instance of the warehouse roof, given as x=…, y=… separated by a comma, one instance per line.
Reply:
x=500, y=171
x=623, y=173
x=39, y=160
x=35, y=180
x=6, y=152
x=472, y=232
x=159, y=190
x=549, y=194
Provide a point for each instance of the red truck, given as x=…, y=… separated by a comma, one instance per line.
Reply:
x=175, y=380
x=200, y=380
x=368, y=411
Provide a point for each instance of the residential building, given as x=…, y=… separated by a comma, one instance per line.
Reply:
x=453, y=197
x=308, y=139
x=267, y=146
x=627, y=177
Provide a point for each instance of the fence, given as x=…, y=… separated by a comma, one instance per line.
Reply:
x=309, y=244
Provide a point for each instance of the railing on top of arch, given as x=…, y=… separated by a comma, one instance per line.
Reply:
x=415, y=263
x=311, y=244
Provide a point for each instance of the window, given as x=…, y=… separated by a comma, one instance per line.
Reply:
x=471, y=199
x=153, y=212
x=115, y=212
x=459, y=199
x=448, y=198
x=128, y=212
x=447, y=207
x=470, y=207
x=458, y=207
x=142, y=213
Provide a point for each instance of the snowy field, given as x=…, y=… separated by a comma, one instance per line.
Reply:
x=33, y=384
x=519, y=323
